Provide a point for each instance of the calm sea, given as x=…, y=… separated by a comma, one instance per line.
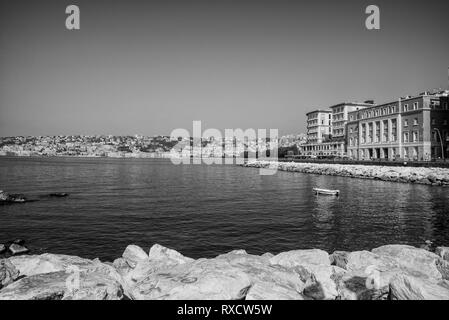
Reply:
x=203, y=211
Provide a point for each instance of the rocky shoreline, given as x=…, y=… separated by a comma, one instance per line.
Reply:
x=427, y=176
x=393, y=272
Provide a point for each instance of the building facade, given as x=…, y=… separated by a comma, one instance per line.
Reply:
x=326, y=129
x=319, y=124
x=340, y=117
x=411, y=128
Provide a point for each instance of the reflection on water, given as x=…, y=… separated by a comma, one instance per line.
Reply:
x=206, y=210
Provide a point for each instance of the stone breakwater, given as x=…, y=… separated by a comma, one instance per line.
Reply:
x=396, y=272
x=429, y=176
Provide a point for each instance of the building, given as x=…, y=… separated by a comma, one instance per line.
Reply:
x=340, y=117
x=326, y=129
x=318, y=126
x=411, y=128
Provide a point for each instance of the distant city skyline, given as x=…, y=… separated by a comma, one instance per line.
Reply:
x=148, y=68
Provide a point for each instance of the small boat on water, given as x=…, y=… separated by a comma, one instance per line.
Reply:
x=326, y=191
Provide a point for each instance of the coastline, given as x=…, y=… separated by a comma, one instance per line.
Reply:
x=390, y=272
x=420, y=175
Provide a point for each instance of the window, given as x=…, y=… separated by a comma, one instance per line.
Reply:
x=415, y=136
x=405, y=123
x=415, y=106
x=415, y=121
x=405, y=107
x=406, y=136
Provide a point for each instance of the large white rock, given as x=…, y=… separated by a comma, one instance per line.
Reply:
x=365, y=285
x=160, y=253
x=17, y=249
x=159, y=258
x=8, y=273
x=315, y=270
x=407, y=287
x=301, y=257
x=272, y=291
x=361, y=260
x=413, y=261
x=203, y=279
x=62, y=286
x=275, y=278
x=134, y=254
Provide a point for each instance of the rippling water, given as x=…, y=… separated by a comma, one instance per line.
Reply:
x=203, y=211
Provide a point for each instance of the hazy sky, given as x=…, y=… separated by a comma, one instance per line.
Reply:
x=148, y=67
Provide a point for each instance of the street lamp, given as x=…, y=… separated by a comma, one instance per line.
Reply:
x=441, y=142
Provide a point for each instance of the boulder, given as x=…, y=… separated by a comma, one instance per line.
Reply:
x=264, y=275
x=314, y=269
x=16, y=249
x=49, y=263
x=203, y=279
x=412, y=260
x=159, y=258
x=8, y=273
x=361, y=260
x=370, y=284
x=160, y=253
x=122, y=266
x=134, y=254
x=2, y=248
x=20, y=242
x=63, y=285
x=443, y=252
x=301, y=257
x=272, y=291
x=407, y=287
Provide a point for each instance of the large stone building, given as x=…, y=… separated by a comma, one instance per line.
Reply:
x=326, y=129
x=411, y=128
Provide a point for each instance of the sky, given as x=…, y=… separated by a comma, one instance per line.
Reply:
x=149, y=67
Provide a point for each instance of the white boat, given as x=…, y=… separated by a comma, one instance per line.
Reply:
x=326, y=191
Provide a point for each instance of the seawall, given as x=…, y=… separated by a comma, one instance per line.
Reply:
x=428, y=176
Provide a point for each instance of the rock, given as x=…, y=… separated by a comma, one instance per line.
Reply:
x=264, y=275
x=203, y=279
x=407, y=287
x=2, y=248
x=134, y=254
x=20, y=242
x=443, y=252
x=160, y=253
x=6, y=198
x=361, y=260
x=314, y=269
x=267, y=255
x=370, y=284
x=159, y=258
x=16, y=249
x=122, y=266
x=272, y=291
x=412, y=260
x=301, y=257
x=30, y=265
x=63, y=285
x=8, y=273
